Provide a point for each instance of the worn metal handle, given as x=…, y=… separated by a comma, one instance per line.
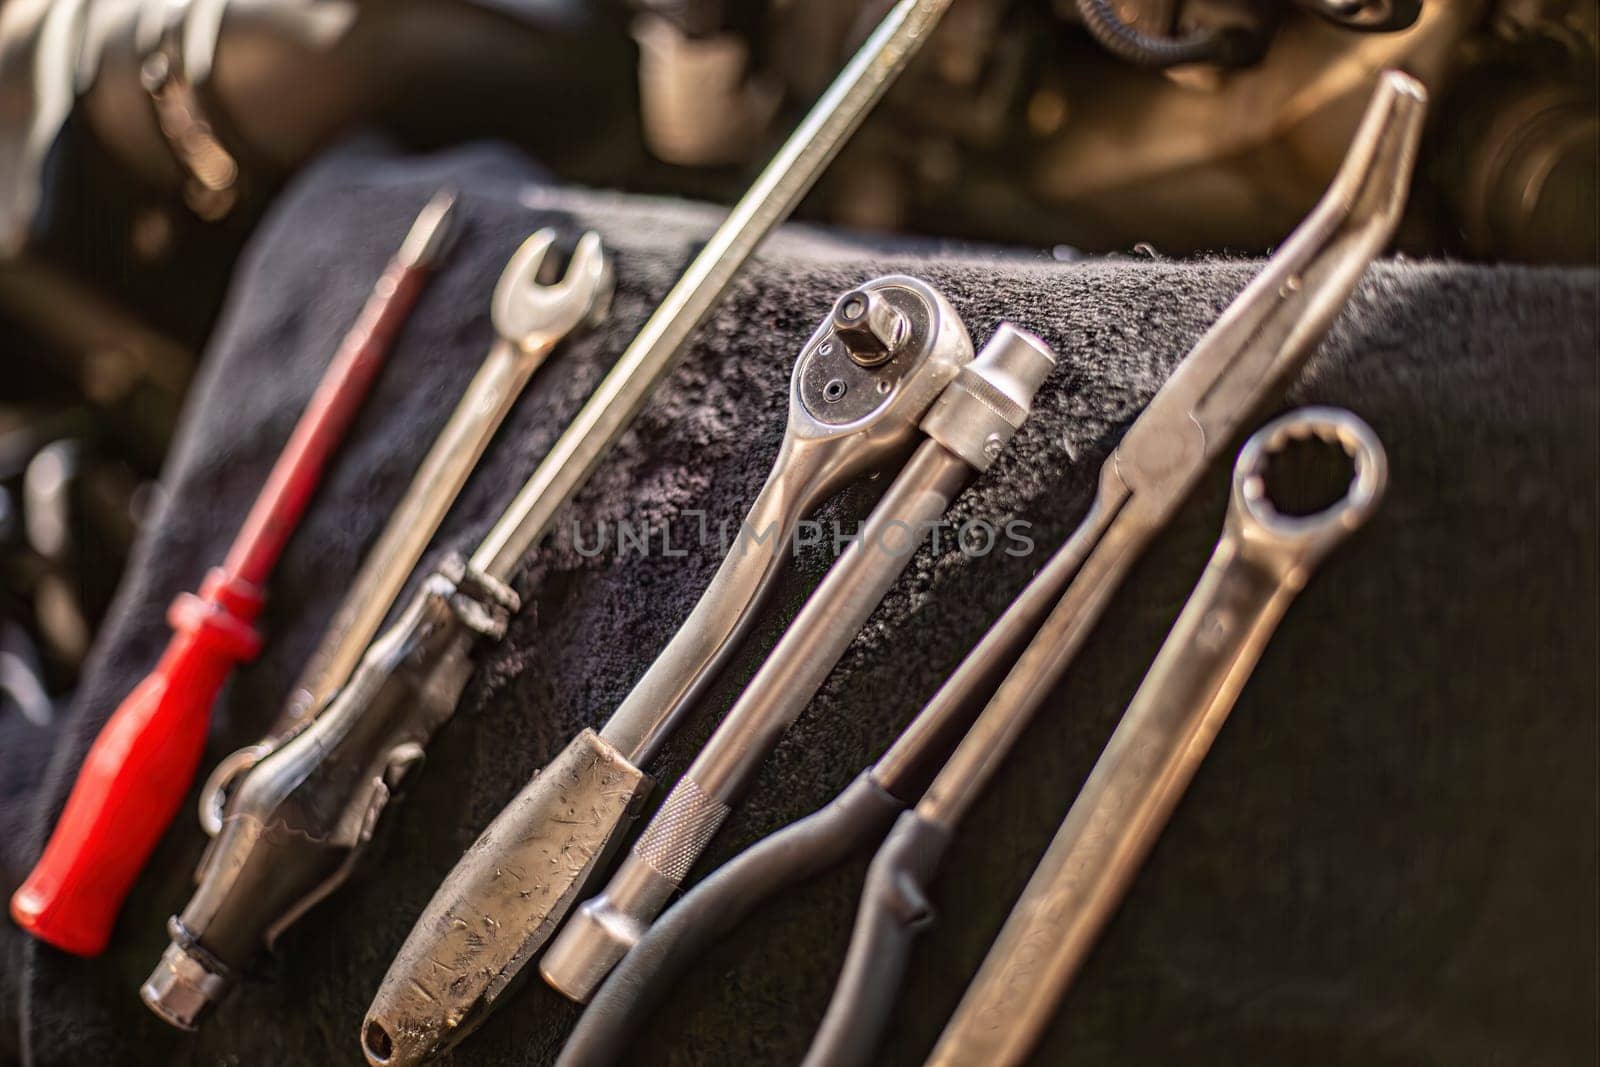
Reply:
x=501, y=901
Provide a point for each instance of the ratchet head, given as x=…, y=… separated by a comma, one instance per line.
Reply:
x=1296, y=540
x=529, y=313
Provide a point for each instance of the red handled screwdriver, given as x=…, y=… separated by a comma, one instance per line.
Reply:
x=141, y=764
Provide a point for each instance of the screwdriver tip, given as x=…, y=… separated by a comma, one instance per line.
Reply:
x=431, y=234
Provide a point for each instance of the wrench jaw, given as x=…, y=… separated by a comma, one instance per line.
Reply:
x=1293, y=545
x=532, y=315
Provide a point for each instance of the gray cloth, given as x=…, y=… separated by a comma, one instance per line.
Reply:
x=1389, y=856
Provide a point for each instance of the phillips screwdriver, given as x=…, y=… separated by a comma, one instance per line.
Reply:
x=145, y=756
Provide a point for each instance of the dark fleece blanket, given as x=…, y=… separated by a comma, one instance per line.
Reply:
x=1388, y=858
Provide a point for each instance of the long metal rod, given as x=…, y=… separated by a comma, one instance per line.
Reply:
x=769, y=201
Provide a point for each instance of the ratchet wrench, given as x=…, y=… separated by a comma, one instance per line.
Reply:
x=1260, y=565
x=409, y=1035
x=967, y=429
x=862, y=382
x=1243, y=361
x=141, y=764
x=299, y=817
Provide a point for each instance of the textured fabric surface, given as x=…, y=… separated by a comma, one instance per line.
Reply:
x=1389, y=856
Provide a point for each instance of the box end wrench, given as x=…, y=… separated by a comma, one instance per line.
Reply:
x=141, y=764
x=966, y=431
x=300, y=815
x=1258, y=568
x=861, y=384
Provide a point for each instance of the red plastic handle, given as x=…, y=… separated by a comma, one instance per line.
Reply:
x=140, y=766
x=137, y=773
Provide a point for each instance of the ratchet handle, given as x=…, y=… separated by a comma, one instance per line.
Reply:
x=805, y=473
x=863, y=812
x=894, y=909
x=137, y=772
x=518, y=878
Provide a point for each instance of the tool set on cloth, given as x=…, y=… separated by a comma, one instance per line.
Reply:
x=888, y=389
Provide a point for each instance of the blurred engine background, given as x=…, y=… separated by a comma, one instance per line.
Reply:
x=142, y=139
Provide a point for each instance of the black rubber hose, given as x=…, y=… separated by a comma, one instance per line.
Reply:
x=861, y=814
x=1233, y=47
x=894, y=909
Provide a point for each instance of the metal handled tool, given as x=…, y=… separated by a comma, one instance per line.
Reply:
x=1260, y=565
x=1265, y=335
x=969, y=426
x=530, y=319
x=299, y=817
x=405, y=1036
x=1239, y=365
x=859, y=387
x=140, y=766
x=861, y=384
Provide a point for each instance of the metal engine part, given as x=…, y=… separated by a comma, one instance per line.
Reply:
x=1032, y=119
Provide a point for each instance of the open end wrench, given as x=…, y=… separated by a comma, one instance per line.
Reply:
x=967, y=429
x=860, y=386
x=298, y=819
x=529, y=320
x=1260, y=565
